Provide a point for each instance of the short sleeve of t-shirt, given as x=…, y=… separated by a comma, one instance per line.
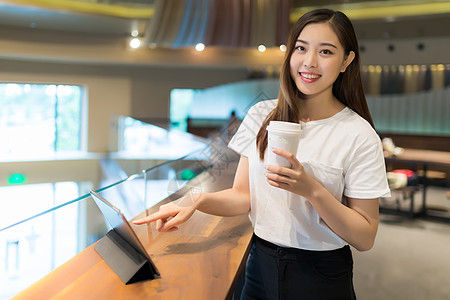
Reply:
x=365, y=177
x=244, y=139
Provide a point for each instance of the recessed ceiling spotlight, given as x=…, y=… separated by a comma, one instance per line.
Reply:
x=283, y=48
x=134, y=33
x=135, y=43
x=200, y=47
x=261, y=48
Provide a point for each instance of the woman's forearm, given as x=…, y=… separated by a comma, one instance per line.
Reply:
x=229, y=202
x=357, y=223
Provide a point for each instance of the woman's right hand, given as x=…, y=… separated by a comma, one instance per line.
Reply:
x=169, y=216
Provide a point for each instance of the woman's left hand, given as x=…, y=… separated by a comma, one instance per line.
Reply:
x=294, y=179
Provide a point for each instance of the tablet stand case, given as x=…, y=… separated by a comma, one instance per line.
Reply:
x=124, y=259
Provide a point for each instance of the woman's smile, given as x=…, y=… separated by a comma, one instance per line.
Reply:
x=309, y=77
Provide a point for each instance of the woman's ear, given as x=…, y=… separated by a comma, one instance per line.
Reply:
x=347, y=61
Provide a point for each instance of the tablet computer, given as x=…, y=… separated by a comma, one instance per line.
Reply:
x=120, y=225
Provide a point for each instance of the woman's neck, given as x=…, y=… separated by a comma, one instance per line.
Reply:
x=318, y=108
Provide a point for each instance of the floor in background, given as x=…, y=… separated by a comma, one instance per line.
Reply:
x=410, y=259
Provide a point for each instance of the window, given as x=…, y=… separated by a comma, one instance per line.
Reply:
x=39, y=119
x=180, y=105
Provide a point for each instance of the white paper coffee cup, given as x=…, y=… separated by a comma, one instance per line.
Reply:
x=282, y=135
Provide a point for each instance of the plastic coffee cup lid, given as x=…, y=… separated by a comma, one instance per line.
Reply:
x=284, y=126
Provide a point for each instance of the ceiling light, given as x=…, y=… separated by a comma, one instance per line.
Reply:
x=200, y=47
x=261, y=48
x=135, y=43
x=283, y=48
x=134, y=33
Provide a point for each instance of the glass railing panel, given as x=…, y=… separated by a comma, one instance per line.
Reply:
x=137, y=139
x=182, y=180
x=141, y=146
x=166, y=180
x=149, y=187
x=24, y=201
x=32, y=248
x=127, y=195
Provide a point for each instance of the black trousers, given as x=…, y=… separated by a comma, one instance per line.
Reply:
x=287, y=273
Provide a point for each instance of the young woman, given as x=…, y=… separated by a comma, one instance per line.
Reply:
x=305, y=217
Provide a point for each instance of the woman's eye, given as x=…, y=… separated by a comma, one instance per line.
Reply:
x=326, y=51
x=300, y=48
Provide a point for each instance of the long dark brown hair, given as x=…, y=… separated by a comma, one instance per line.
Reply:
x=347, y=88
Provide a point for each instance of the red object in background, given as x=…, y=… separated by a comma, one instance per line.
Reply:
x=408, y=173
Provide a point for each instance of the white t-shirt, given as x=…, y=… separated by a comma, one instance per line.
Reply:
x=342, y=152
